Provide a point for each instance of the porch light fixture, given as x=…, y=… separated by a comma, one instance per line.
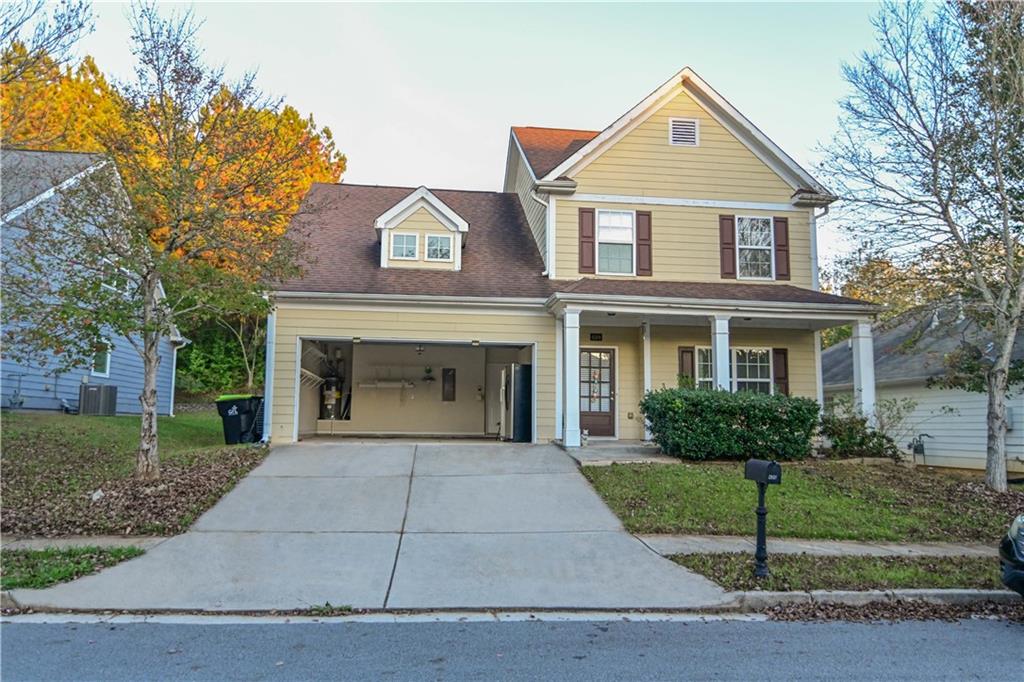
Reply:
x=419, y=350
x=356, y=339
x=475, y=342
x=611, y=314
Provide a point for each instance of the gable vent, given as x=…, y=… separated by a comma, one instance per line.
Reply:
x=683, y=132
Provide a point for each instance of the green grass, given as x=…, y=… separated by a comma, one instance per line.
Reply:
x=53, y=463
x=831, y=500
x=45, y=567
x=803, y=572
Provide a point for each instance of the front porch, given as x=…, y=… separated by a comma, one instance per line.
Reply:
x=610, y=353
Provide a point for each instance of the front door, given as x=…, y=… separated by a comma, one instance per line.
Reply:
x=597, y=391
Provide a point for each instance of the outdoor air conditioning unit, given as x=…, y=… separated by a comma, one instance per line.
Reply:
x=94, y=399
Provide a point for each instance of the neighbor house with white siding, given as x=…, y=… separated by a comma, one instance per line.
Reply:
x=31, y=185
x=910, y=350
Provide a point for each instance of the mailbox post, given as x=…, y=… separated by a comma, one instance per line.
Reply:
x=764, y=473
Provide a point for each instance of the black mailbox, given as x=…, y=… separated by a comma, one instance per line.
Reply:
x=763, y=471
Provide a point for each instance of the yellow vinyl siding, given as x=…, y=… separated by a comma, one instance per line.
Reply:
x=684, y=241
x=536, y=215
x=643, y=163
x=422, y=223
x=311, y=321
x=666, y=340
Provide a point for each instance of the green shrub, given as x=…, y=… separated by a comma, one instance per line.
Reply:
x=851, y=436
x=700, y=424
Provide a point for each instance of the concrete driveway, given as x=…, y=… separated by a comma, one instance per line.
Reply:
x=398, y=525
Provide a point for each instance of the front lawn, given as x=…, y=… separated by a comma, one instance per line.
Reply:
x=44, y=567
x=790, y=572
x=828, y=500
x=73, y=475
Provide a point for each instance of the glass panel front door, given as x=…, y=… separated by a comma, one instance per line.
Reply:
x=597, y=391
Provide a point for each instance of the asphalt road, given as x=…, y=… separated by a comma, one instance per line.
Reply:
x=720, y=650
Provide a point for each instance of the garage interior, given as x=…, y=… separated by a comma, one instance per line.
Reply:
x=357, y=387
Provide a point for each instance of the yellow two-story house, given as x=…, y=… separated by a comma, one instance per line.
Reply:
x=678, y=242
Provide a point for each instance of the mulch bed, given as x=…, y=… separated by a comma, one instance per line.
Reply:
x=896, y=611
x=38, y=503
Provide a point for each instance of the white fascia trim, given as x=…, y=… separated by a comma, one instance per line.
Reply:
x=733, y=115
x=618, y=128
x=408, y=298
x=860, y=310
x=422, y=197
x=728, y=116
x=673, y=201
x=50, y=193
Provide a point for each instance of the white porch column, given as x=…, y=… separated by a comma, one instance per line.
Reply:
x=559, y=381
x=268, y=376
x=645, y=332
x=720, y=351
x=571, y=385
x=864, y=369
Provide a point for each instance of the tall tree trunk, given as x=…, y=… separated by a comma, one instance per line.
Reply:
x=998, y=383
x=147, y=463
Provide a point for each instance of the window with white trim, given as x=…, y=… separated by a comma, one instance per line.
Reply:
x=683, y=132
x=752, y=369
x=403, y=246
x=754, y=248
x=616, y=249
x=705, y=369
x=101, y=361
x=439, y=247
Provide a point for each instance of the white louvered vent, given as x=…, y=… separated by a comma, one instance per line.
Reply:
x=683, y=132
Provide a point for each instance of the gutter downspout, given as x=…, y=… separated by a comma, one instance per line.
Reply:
x=547, y=256
x=268, y=375
x=815, y=278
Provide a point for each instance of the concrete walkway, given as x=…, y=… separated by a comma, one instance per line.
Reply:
x=398, y=525
x=712, y=544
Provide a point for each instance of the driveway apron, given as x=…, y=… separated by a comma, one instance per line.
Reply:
x=398, y=525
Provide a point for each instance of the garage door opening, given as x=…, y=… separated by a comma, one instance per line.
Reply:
x=359, y=387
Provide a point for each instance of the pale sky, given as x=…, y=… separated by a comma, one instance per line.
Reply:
x=425, y=94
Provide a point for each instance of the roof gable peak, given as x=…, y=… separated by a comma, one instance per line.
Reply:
x=421, y=197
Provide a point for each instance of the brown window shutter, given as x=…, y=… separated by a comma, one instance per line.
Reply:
x=644, y=254
x=687, y=367
x=727, y=245
x=780, y=370
x=781, y=248
x=587, y=241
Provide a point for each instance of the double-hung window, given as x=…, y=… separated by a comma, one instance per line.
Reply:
x=616, y=235
x=754, y=245
x=752, y=369
x=705, y=369
x=439, y=247
x=403, y=246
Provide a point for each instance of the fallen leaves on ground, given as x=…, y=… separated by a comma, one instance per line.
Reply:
x=896, y=611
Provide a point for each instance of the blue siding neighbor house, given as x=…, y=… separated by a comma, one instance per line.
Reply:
x=30, y=181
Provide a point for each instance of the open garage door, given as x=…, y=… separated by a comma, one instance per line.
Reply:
x=376, y=388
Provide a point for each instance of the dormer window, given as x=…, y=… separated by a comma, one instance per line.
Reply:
x=421, y=217
x=403, y=246
x=439, y=248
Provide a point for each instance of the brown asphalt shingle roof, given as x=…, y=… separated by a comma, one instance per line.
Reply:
x=499, y=256
x=724, y=291
x=545, y=148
